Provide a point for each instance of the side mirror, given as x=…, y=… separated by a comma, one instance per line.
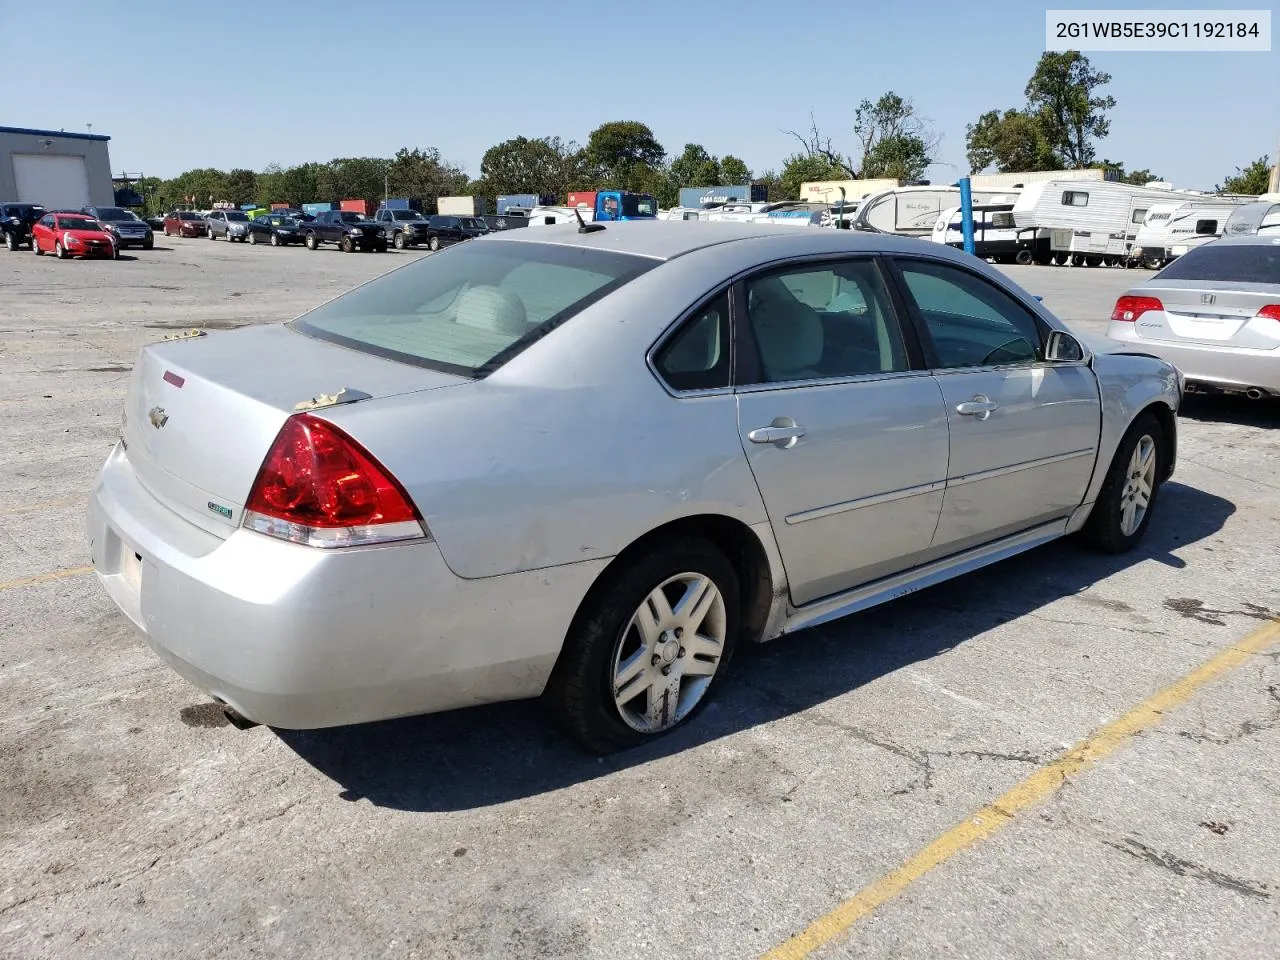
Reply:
x=1064, y=348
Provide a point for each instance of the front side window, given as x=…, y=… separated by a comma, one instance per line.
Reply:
x=970, y=321
x=697, y=356
x=824, y=320
x=471, y=309
x=1075, y=198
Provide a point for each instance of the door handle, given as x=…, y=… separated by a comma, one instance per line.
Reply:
x=979, y=407
x=782, y=431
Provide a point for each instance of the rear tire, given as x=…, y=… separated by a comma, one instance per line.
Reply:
x=604, y=636
x=1111, y=526
x=35, y=247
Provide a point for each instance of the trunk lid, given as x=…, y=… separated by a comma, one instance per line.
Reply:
x=1208, y=312
x=202, y=412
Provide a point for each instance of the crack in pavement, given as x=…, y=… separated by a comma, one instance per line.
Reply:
x=1189, y=868
x=1245, y=729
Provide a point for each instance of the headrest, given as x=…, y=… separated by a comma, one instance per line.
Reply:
x=789, y=335
x=493, y=309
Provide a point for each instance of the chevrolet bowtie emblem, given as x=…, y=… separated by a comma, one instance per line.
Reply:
x=158, y=417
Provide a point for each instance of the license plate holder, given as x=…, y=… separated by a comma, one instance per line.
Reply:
x=130, y=567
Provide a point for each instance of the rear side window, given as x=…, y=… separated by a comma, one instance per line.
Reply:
x=1206, y=228
x=1138, y=216
x=1229, y=262
x=471, y=309
x=697, y=356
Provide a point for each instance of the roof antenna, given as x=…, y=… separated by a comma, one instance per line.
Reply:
x=583, y=226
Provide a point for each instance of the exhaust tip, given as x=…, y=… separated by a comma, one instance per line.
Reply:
x=239, y=720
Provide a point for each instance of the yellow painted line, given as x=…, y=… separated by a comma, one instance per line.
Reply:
x=1036, y=788
x=41, y=505
x=45, y=577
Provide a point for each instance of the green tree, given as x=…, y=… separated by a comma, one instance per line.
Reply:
x=614, y=149
x=423, y=175
x=1139, y=178
x=695, y=167
x=733, y=170
x=1062, y=95
x=207, y=185
x=241, y=185
x=800, y=168
x=359, y=178
x=896, y=141
x=1011, y=142
x=772, y=184
x=1253, y=179
x=524, y=165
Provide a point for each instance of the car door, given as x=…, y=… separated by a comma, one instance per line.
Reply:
x=1024, y=431
x=844, y=429
x=41, y=233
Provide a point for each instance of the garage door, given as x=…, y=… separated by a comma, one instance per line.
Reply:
x=59, y=183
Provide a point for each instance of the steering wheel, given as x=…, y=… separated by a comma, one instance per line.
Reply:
x=1004, y=346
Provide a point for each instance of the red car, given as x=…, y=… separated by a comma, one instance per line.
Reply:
x=71, y=235
x=184, y=223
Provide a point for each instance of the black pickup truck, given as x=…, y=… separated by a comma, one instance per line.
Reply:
x=348, y=229
x=16, y=220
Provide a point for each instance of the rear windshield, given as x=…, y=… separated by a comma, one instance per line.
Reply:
x=115, y=213
x=474, y=307
x=1230, y=262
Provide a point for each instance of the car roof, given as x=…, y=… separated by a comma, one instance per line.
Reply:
x=667, y=239
x=1248, y=239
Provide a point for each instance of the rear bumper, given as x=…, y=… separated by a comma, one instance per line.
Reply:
x=298, y=637
x=1233, y=369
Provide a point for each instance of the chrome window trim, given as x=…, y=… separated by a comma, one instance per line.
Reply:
x=831, y=381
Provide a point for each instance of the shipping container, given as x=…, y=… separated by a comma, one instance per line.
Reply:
x=583, y=198
x=462, y=206
x=828, y=191
x=523, y=201
x=695, y=197
x=1007, y=181
x=280, y=206
x=248, y=206
x=362, y=207
x=402, y=203
x=315, y=209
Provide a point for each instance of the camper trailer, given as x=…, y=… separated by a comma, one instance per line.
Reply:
x=994, y=235
x=1261, y=216
x=1090, y=222
x=913, y=211
x=1171, y=229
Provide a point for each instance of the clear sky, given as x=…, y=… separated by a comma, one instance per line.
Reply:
x=179, y=84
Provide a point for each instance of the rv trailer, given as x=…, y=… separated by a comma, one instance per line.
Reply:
x=1171, y=229
x=994, y=235
x=1091, y=222
x=1261, y=216
x=913, y=211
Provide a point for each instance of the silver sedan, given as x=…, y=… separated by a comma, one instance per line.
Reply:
x=585, y=463
x=1214, y=313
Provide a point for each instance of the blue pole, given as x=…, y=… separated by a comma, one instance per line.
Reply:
x=966, y=214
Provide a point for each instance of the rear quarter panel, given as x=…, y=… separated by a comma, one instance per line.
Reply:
x=573, y=450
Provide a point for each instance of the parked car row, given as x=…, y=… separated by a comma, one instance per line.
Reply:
x=122, y=227
x=350, y=230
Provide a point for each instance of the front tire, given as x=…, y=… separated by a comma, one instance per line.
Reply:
x=35, y=247
x=275, y=239
x=346, y=245
x=58, y=251
x=1125, y=504
x=10, y=241
x=399, y=240
x=1024, y=257
x=312, y=242
x=648, y=646
x=434, y=244
x=253, y=238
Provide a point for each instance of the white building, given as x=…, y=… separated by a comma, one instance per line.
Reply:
x=60, y=171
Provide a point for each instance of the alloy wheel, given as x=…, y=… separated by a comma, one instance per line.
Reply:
x=1140, y=480
x=668, y=653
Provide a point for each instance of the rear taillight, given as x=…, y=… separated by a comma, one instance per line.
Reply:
x=319, y=487
x=1271, y=311
x=1129, y=309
